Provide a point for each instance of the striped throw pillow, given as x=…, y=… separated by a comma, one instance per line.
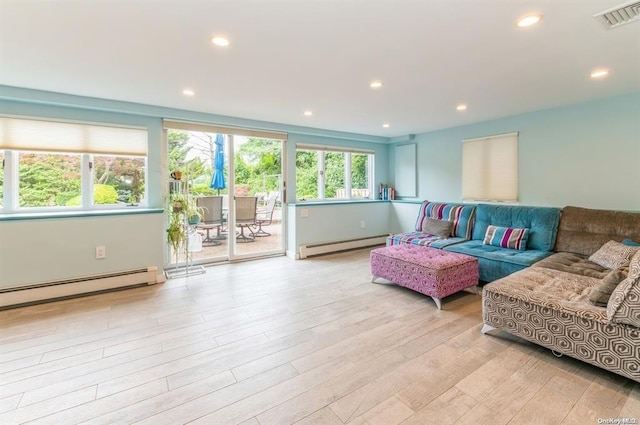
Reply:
x=506, y=237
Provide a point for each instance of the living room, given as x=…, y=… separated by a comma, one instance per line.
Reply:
x=578, y=144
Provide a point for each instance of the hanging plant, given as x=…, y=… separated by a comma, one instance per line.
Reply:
x=175, y=234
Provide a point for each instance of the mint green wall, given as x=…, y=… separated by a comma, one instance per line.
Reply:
x=336, y=222
x=34, y=251
x=42, y=250
x=585, y=154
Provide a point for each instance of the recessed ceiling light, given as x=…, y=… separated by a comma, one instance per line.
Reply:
x=527, y=21
x=461, y=107
x=220, y=41
x=599, y=73
x=385, y=125
x=308, y=113
x=188, y=92
x=375, y=84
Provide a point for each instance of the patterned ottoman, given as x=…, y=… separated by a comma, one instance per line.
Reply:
x=430, y=271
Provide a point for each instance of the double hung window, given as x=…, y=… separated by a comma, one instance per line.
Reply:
x=55, y=165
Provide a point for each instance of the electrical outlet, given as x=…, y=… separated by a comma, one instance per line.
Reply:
x=101, y=252
x=304, y=212
x=362, y=224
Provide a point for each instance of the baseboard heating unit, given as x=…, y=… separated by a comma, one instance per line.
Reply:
x=47, y=291
x=329, y=247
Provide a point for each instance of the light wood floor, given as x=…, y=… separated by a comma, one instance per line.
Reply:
x=279, y=341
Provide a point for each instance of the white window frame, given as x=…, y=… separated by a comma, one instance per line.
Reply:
x=11, y=184
x=90, y=135
x=322, y=150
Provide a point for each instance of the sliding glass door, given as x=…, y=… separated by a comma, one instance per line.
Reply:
x=257, y=166
x=235, y=184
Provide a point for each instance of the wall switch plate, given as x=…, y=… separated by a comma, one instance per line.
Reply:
x=304, y=212
x=101, y=252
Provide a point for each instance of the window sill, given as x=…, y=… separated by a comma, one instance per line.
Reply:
x=336, y=202
x=77, y=214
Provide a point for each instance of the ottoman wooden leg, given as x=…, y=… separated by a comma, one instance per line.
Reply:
x=438, y=302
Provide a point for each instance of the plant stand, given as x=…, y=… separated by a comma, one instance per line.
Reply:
x=191, y=240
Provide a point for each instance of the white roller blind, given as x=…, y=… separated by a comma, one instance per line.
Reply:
x=307, y=147
x=57, y=136
x=208, y=128
x=490, y=168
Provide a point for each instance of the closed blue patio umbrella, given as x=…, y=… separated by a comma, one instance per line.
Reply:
x=217, y=179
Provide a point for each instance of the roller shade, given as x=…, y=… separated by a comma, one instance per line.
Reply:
x=306, y=147
x=490, y=168
x=27, y=134
x=208, y=128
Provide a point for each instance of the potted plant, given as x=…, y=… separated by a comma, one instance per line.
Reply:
x=175, y=232
x=193, y=212
x=177, y=202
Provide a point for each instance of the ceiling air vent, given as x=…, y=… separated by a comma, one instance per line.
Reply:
x=619, y=15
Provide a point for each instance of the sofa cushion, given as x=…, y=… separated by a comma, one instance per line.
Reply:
x=506, y=237
x=573, y=263
x=624, y=304
x=602, y=292
x=422, y=239
x=613, y=255
x=462, y=216
x=584, y=231
x=629, y=242
x=441, y=228
x=552, y=289
x=541, y=221
x=480, y=250
x=634, y=266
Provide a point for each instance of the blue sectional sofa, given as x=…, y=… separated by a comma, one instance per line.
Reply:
x=470, y=223
x=496, y=262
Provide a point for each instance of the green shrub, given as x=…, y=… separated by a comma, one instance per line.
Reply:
x=63, y=198
x=73, y=202
x=102, y=194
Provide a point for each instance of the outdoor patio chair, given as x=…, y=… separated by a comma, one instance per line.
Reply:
x=262, y=196
x=264, y=216
x=211, y=217
x=246, y=217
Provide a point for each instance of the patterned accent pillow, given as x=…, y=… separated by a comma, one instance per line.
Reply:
x=634, y=266
x=624, y=304
x=506, y=237
x=441, y=228
x=601, y=293
x=462, y=217
x=613, y=255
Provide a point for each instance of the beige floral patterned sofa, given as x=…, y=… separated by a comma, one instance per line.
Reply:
x=558, y=302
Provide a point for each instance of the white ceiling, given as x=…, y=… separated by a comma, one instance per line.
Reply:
x=287, y=56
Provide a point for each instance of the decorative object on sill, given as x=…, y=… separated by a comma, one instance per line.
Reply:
x=176, y=175
x=386, y=192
